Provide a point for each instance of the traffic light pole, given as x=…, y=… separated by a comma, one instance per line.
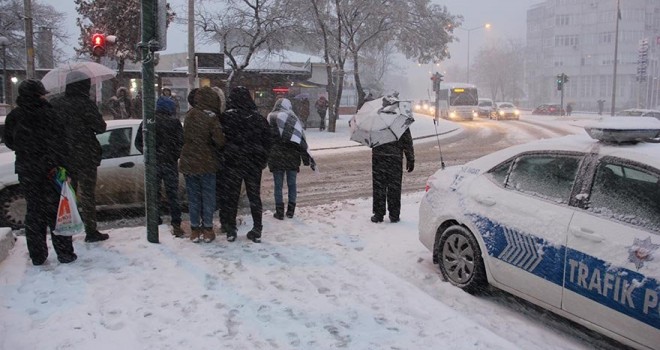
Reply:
x=561, y=104
x=148, y=119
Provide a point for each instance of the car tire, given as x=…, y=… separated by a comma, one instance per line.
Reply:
x=13, y=208
x=460, y=260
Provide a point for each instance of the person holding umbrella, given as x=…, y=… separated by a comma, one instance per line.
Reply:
x=387, y=168
x=83, y=123
x=289, y=149
x=34, y=131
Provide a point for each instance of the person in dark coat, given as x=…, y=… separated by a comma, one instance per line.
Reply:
x=387, y=169
x=34, y=131
x=321, y=108
x=202, y=138
x=304, y=111
x=288, y=151
x=83, y=123
x=249, y=139
x=169, y=141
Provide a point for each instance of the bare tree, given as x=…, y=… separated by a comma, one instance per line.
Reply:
x=499, y=68
x=121, y=18
x=246, y=27
x=12, y=26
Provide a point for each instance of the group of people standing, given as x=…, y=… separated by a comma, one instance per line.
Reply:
x=45, y=136
x=226, y=144
x=122, y=106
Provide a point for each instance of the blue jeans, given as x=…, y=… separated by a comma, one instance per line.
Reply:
x=278, y=178
x=169, y=174
x=201, y=199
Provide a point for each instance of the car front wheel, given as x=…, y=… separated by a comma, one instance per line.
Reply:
x=13, y=208
x=460, y=260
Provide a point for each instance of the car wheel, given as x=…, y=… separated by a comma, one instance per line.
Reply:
x=460, y=260
x=13, y=208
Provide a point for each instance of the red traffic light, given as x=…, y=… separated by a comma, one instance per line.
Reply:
x=98, y=45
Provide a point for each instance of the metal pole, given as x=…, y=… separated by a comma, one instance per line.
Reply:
x=468, y=57
x=616, y=55
x=29, y=43
x=191, y=45
x=149, y=119
x=4, y=73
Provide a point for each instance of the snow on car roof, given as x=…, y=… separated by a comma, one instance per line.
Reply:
x=642, y=152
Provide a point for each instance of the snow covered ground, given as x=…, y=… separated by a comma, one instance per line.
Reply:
x=326, y=279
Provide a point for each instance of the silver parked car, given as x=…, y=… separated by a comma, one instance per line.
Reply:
x=120, y=179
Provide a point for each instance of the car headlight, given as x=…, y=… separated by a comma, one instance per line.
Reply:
x=501, y=112
x=452, y=114
x=516, y=112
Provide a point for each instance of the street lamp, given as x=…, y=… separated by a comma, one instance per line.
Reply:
x=468, y=30
x=3, y=43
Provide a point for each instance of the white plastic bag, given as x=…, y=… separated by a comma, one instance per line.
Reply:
x=69, y=221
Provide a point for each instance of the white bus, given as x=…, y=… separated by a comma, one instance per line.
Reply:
x=458, y=101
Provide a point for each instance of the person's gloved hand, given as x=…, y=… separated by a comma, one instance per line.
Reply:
x=410, y=165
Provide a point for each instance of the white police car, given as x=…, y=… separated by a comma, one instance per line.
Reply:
x=571, y=224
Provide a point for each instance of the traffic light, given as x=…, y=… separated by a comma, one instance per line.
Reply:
x=560, y=82
x=437, y=79
x=98, y=44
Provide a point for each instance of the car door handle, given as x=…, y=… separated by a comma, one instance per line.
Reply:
x=485, y=200
x=587, y=234
x=127, y=165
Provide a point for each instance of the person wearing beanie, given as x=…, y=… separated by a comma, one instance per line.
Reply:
x=83, y=123
x=169, y=141
x=34, y=131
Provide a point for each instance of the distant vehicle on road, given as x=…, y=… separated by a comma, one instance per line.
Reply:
x=637, y=112
x=458, y=101
x=486, y=107
x=549, y=109
x=505, y=110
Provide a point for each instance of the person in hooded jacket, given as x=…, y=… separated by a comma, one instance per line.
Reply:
x=387, y=169
x=169, y=141
x=34, y=131
x=83, y=123
x=249, y=139
x=202, y=137
x=286, y=155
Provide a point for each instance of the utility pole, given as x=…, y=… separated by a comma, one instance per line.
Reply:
x=616, y=54
x=29, y=42
x=191, y=46
x=148, y=118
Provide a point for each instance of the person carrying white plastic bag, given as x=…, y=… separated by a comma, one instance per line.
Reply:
x=69, y=221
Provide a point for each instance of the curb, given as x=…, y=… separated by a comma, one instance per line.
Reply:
x=7, y=241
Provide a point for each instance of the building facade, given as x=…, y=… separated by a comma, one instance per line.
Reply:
x=577, y=38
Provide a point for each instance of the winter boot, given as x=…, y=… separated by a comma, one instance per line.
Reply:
x=208, y=234
x=96, y=236
x=290, y=209
x=231, y=233
x=177, y=231
x=255, y=234
x=377, y=218
x=279, y=211
x=195, y=234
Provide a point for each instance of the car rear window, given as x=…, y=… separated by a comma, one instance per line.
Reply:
x=546, y=176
